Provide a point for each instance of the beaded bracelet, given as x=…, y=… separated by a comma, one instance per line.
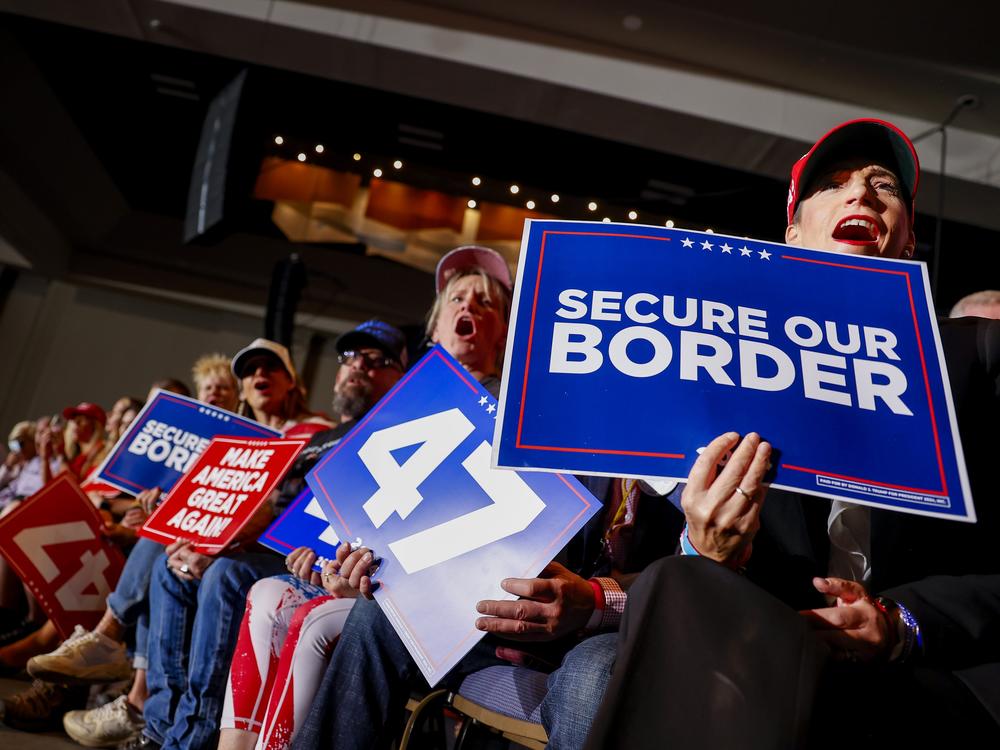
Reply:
x=912, y=638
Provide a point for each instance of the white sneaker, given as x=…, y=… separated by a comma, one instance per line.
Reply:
x=107, y=726
x=84, y=657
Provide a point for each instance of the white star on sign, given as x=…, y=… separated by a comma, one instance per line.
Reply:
x=745, y=251
x=491, y=408
x=764, y=255
x=727, y=248
x=482, y=400
x=707, y=245
x=686, y=242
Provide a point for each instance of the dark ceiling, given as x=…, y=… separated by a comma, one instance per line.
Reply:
x=139, y=108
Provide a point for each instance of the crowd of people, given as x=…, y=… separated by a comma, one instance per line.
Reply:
x=775, y=619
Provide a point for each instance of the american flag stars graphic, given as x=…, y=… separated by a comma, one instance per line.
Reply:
x=727, y=249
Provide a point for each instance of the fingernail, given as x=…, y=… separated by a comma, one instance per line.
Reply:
x=367, y=558
x=752, y=436
x=480, y=624
x=480, y=607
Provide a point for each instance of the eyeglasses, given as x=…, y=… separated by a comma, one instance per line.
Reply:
x=369, y=360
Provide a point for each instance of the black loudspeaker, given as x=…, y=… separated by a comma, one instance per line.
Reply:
x=212, y=177
x=288, y=279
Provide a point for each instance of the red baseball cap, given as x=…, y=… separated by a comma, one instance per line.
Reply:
x=878, y=140
x=473, y=256
x=86, y=409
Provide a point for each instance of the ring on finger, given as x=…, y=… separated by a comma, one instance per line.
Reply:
x=743, y=492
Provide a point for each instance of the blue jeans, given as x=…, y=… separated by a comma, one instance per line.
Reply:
x=129, y=602
x=576, y=690
x=360, y=702
x=193, y=630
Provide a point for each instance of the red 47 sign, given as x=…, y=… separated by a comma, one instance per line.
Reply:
x=54, y=543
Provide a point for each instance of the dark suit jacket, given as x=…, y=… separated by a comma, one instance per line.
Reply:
x=946, y=572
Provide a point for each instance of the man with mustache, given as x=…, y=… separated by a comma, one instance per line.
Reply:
x=785, y=643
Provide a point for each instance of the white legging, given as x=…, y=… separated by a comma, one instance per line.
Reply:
x=288, y=632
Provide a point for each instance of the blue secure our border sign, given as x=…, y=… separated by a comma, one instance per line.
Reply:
x=631, y=347
x=166, y=438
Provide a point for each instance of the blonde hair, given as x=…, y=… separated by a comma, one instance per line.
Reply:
x=493, y=288
x=22, y=431
x=495, y=292
x=212, y=364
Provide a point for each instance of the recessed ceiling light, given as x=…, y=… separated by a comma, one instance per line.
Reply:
x=302, y=157
x=319, y=148
x=476, y=181
x=471, y=204
x=279, y=140
x=555, y=198
x=357, y=157
x=669, y=224
x=530, y=205
x=592, y=206
x=633, y=215
x=514, y=189
x=397, y=164
x=377, y=172
x=606, y=220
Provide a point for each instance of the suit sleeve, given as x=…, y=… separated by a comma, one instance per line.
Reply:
x=959, y=618
x=959, y=615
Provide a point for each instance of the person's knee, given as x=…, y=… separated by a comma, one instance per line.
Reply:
x=228, y=579
x=576, y=689
x=268, y=593
x=585, y=671
x=319, y=623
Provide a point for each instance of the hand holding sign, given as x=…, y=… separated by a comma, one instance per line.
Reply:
x=412, y=482
x=631, y=346
x=166, y=438
x=557, y=603
x=221, y=492
x=723, y=508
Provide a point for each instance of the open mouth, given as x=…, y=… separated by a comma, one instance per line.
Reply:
x=261, y=386
x=465, y=326
x=857, y=230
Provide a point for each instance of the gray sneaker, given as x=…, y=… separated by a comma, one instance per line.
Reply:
x=83, y=658
x=107, y=726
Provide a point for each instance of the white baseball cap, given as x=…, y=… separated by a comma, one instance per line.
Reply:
x=260, y=346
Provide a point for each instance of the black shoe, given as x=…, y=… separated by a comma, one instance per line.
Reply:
x=41, y=706
x=142, y=742
x=15, y=631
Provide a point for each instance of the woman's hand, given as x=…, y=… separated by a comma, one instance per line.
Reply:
x=149, y=499
x=300, y=563
x=185, y=563
x=723, y=508
x=349, y=575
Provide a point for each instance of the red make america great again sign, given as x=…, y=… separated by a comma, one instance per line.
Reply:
x=53, y=540
x=220, y=493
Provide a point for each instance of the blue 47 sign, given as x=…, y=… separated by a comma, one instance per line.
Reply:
x=413, y=483
x=631, y=347
x=303, y=525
